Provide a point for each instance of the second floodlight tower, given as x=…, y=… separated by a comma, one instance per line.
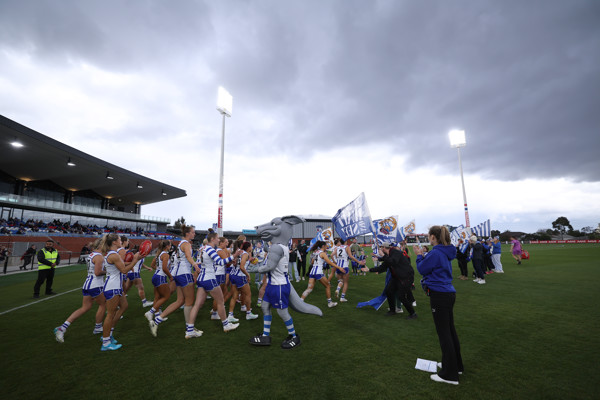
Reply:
x=224, y=106
x=458, y=140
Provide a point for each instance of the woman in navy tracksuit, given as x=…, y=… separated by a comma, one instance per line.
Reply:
x=436, y=269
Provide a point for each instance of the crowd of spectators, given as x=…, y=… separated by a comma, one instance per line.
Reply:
x=16, y=226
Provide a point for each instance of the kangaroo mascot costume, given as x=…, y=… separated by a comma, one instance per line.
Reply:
x=279, y=293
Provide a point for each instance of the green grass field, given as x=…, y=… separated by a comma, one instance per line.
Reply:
x=531, y=333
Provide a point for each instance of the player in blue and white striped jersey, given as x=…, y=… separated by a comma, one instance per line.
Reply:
x=113, y=288
x=317, y=272
x=160, y=279
x=342, y=256
x=240, y=278
x=207, y=281
x=182, y=274
x=92, y=291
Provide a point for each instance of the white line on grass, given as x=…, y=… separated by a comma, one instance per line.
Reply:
x=35, y=302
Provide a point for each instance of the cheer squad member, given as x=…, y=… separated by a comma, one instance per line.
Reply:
x=92, y=291
x=207, y=282
x=161, y=278
x=319, y=250
x=113, y=288
x=184, y=281
x=240, y=279
x=436, y=269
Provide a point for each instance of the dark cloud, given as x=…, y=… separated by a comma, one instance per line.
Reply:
x=522, y=78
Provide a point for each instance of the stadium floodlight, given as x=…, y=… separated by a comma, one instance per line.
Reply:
x=139, y=186
x=225, y=107
x=163, y=192
x=224, y=102
x=70, y=163
x=458, y=140
x=108, y=176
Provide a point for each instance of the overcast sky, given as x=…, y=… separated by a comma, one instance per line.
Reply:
x=330, y=99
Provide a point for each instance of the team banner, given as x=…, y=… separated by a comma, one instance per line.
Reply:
x=324, y=235
x=483, y=229
x=353, y=219
x=460, y=233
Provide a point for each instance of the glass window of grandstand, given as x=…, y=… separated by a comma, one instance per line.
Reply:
x=44, y=190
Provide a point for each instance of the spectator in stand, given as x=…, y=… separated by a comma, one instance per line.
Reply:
x=515, y=248
x=48, y=259
x=496, y=253
x=27, y=256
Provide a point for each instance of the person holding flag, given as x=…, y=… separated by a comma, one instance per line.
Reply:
x=402, y=277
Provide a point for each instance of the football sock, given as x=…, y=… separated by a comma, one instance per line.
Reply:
x=64, y=326
x=289, y=324
x=267, y=325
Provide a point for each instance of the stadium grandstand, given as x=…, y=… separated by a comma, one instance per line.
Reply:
x=51, y=190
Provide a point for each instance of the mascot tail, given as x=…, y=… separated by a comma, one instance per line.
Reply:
x=298, y=305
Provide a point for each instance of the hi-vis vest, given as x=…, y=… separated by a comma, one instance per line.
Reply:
x=50, y=257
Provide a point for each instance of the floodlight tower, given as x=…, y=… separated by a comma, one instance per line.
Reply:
x=224, y=106
x=458, y=140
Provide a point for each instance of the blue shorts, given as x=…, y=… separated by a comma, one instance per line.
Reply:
x=183, y=280
x=277, y=295
x=207, y=285
x=109, y=294
x=133, y=275
x=337, y=271
x=316, y=276
x=238, y=281
x=94, y=292
x=221, y=279
x=158, y=280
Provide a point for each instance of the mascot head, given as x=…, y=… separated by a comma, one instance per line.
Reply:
x=279, y=230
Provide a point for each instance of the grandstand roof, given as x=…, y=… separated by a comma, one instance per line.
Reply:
x=88, y=174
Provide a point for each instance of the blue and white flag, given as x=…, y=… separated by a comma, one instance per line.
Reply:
x=354, y=219
x=324, y=235
x=388, y=229
x=483, y=229
x=460, y=233
x=378, y=301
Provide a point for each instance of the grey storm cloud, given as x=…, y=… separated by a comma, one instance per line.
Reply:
x=521, y=77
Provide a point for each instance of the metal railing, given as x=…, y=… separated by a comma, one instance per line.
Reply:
x=16, y=200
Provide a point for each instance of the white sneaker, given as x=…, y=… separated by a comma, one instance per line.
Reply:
x=214, y=316
x=251, y=316
x=476, y=280
x=481, y=282
x=153, y=328
x=149, y=316
x=193, y=334
x=331, y=304
x=243, y=308
x=499, y=272
x=60, y=335
x=399, y=310
x=147, y=303
x=414, y=304
x=232, y=319
x=97, y=331
x=436, y=378
x=297, y=280
x=343, y=300
x=230, y=326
